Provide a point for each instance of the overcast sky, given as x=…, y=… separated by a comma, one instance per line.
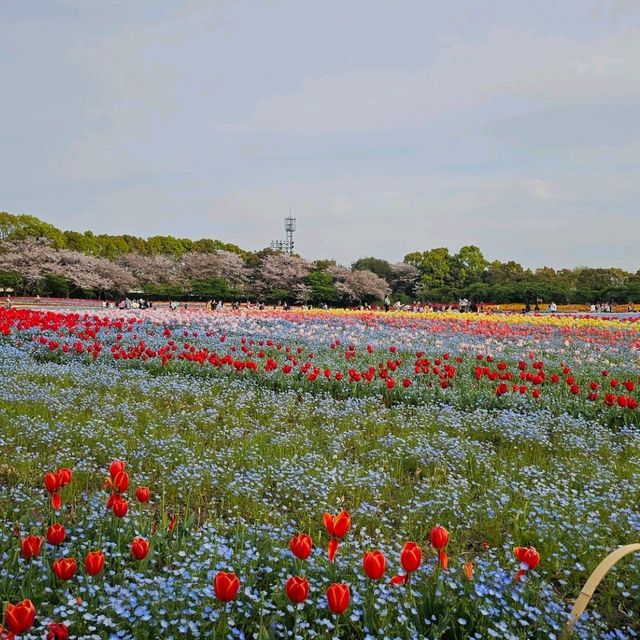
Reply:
x=389, y=126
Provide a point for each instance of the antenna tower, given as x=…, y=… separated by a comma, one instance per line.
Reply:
x=286, y=245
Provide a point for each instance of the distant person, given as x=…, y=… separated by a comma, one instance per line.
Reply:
x=552, y=307
x=387, y=303
x=7, y=304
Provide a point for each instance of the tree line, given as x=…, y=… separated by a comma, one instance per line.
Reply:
x=38, y=258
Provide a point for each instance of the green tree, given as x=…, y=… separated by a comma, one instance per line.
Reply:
x=380, y=267
x=468, y=265
x=322, y=288
x=504, y=272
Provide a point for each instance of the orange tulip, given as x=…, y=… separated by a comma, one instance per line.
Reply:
x=468, y=570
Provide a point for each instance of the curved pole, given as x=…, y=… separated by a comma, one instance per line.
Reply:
x=594, y=580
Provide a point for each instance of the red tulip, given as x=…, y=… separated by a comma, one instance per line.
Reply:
x=142, y=494
x=410, y=557
x=501, y=389
x=31, y=546
x=297, y=589
x=443, y=559
x=94, y=562
x=52, y=482
x=20, y=617
x=120, y=507
x=528, y=556
x=300, y=546
x=121, y=481
x=374, y=564
x=65, y=475
x=338, y=596
x=58, y=631
x=65, y=568
x=56, y=534
x=115, y=468
x=139, y=548
x=337, y=526
x=225, y=586
x=439, y=537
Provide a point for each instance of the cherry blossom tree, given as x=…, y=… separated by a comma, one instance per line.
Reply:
x=220, y=264
x=282, y=275
x=359, y=285
x=152, y=269
x=33, y=260
x=404, y=277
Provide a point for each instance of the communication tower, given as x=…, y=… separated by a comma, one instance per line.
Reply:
x=286, y=245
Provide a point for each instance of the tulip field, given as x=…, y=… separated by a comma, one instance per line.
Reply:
x=316, y=474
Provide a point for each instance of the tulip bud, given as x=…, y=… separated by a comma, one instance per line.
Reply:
x=468, y=570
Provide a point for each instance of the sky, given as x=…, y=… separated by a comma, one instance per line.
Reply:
x=388, y=126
